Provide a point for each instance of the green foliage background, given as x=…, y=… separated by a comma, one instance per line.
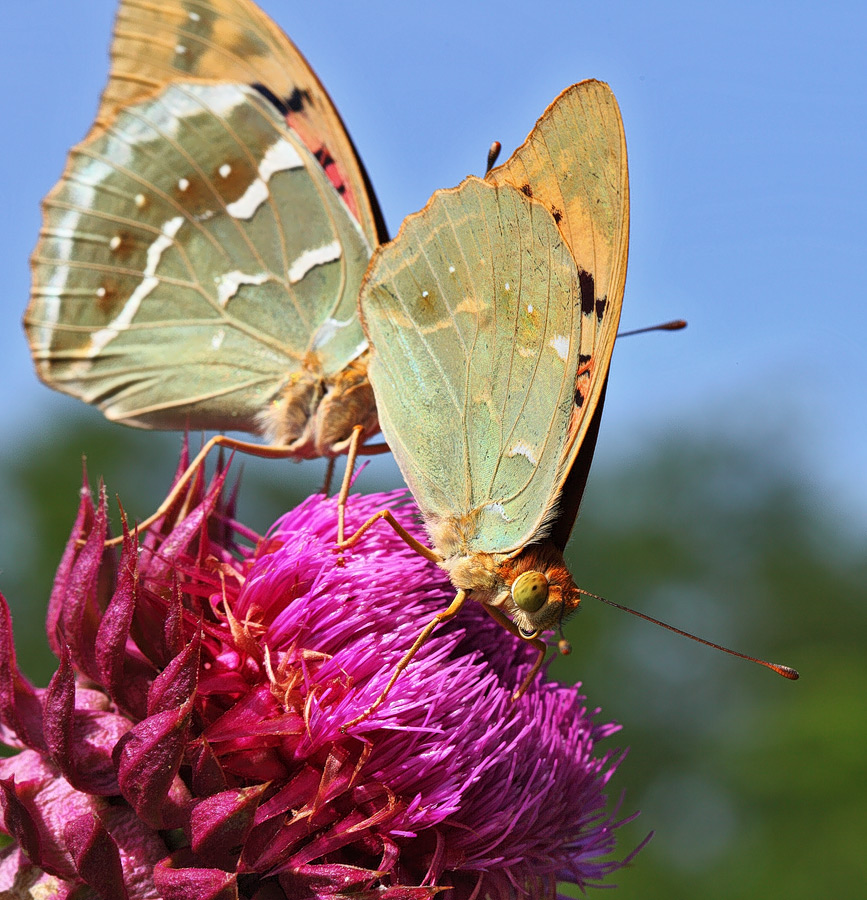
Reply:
x=754, y=786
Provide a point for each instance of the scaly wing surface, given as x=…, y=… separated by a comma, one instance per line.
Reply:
x=474, y=314
x=193, y=255
x=574, y=163
x=499, y=456
x=157, y=42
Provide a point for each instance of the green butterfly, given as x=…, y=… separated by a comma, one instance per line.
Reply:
x=492, y=317
x=200, y=259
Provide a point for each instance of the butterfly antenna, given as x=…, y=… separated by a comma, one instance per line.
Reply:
x=673, y=325
x=785, y=671
x=493, y=155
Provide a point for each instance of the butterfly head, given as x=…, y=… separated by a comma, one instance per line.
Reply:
x=539, y=593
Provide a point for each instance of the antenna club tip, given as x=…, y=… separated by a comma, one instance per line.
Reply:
x=564, y=648
x=787, y=672
x=493, y=155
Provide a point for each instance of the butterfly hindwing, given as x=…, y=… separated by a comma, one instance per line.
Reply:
x=472, y=311
x=192, y=255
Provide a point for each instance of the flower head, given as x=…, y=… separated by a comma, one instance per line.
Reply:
x=191, y=742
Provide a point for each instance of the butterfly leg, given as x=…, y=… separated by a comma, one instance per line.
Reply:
x=353, y=447
x=351, y=456
x=386, y=514
x=540, y=646
x=272, y=451
x=449, y=613
x=329, y=474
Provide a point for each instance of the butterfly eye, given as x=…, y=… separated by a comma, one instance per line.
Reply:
x=530, y=591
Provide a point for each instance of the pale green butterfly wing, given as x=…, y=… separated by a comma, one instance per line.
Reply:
x=474, y=315
x=574, y=163
x=157, y=42
x=193, y=257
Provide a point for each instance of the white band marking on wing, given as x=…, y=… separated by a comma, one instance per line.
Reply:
x=522, y=448
x=497, y=509
x=309, y=259
x=279, y=157
x=123, y=319
x=229, y=284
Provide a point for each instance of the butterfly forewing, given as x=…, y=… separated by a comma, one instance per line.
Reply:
x=157, y=42
x=574, y=163
x=474, y=314
x=193, y=254
x=491, y=319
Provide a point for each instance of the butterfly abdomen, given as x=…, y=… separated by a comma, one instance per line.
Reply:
x=315, y=414
x=348, y=402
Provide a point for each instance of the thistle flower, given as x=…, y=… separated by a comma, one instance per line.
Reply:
x=190, y=744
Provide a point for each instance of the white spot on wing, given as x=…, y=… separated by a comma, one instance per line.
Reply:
x=180, y=49
x=140, y=200
x=497, y=509
x=218, y=338
x=225, y=170
x=279, y=157
x=309, y=259
x=124, y=318
x=194, y=16
x=451, y=268
x=183, y=184
x=560, y=344
x=522, y=448
x=228, y=284
x=114, y=243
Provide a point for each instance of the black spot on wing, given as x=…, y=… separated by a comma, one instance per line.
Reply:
x=294, y=103
x=297, y=100
x=588, y=291
x=329, y=166
x=526, y=190
x=324, y=158
x=281, y=105
x=584, y=358
x=557, y=214
x=601, y=303
x=579, y=398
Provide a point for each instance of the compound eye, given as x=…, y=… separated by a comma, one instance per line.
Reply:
x=530, y=591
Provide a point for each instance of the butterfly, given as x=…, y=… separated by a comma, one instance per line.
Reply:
x=200, y=258
x=492, y=318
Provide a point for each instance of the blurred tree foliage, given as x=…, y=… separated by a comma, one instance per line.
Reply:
x=752, y=784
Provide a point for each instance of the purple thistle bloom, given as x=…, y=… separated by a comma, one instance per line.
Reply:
x=189, y=746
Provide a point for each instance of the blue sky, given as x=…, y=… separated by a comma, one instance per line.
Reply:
x=745, y=124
